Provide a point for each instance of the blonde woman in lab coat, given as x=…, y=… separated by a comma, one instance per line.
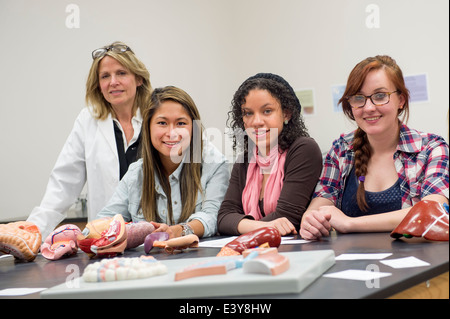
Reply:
x=104, y=140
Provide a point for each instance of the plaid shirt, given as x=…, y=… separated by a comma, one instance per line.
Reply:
x=421, y=161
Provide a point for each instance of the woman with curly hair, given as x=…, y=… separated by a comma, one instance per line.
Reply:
x=375, y=174
x=274, y=177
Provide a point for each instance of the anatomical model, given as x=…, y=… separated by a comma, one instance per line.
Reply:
x=427, y=219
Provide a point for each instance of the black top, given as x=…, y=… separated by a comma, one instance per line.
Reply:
x=128, y=157
x=379, y=202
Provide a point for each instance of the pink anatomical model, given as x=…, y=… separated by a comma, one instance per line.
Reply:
x=112, y=241
x=270, y=263
x=61, y=242
x=136, y=233
x=161, y=240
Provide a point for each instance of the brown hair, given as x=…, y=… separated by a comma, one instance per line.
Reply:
x=190, y=177
x=361, y=145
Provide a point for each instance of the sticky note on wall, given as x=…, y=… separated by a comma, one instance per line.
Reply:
x=418, y=88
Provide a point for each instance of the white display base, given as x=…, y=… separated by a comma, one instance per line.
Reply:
x=305, y=267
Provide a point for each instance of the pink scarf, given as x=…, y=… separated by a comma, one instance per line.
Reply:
x=274, y=163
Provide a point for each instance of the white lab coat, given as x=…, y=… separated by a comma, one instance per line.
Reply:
x=88, y=156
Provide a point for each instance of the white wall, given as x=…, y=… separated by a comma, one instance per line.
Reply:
x=206, y=47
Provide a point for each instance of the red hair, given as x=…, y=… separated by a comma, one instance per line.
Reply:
x=358, y=75
x=361, y=145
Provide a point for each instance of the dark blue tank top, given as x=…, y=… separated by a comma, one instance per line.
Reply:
x=379, y=202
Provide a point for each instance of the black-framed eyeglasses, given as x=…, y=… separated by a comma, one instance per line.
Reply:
x=359, y=100
x=118, y=48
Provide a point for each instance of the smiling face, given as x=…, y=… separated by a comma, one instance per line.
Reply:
x=117, y=84
x=379, y=120
x=170, y=132
x=263, y=118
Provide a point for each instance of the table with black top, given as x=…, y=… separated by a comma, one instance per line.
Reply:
x=42, y=273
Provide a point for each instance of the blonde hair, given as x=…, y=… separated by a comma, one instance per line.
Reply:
x=94, y=97
x=190, y=177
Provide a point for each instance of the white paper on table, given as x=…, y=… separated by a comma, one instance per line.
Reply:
x=375, y=256
x=219, y=243
x=19, y=291
x=355, y=274
x=290, y=241
x=406, y=262
x=216, y=243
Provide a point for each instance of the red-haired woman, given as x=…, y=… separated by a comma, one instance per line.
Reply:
x=372, y=177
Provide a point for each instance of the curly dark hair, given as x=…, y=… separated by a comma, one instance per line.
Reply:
x=280, y=89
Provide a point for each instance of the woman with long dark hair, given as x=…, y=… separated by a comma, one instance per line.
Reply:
x=180, y=180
